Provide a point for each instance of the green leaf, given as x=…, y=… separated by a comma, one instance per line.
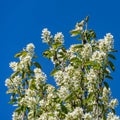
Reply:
x=28, y=69
x=90, y=97
x=23, y=74
x=17, y=55
x=89, y=108
x=104, y=117
x=18, y=110
x=56, y=45
x=96, y=66
x=69, y=97
x=113, y=111
x=50, y=114
x=64, y=109
x=37, y=64
x=92, y=34
x=79, y=38
x=35, y=56
x=87, y=18
x=53, y=72
x=63, y=49
x=14, y=74
x=90, y=63
x=106, y=71
x=22, y=53
x=75, y=32
x=111, y=65
x=112, y=56
x=61, y=54
x=106, y=85
x=109, y=77
x=12, y=101
x=75, y=60
x=9, y=91
x=78, y=46
x=32, y=85
x=47, y=54
x=114, y=50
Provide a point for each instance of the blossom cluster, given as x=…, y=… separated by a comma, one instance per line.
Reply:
x=107, y=43
x=48, y=38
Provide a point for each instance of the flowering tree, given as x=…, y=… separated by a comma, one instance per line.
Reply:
x=81, y=73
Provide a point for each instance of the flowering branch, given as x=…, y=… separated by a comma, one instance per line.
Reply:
x=80, y=72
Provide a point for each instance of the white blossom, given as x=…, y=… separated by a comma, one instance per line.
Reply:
x=43, y=116
x=59, y=37
x=8, y=82
x=87, y=116
x=40, y=77
x=86, y=51
x=46, y=35
x=50, y=88
x=17, y=116
x=26, y=59
x=107, y=43
x=112, y=116
x=106, y=91
x=14, y=83
x=30, y=99
x=42, y=103
x=30, y=47
x=77, y=113
x=113, y=103
x=79, y=26
x=92, y=76
x=59, y=77
x=63, y=92
x=98, y=56
x=14, y=66
x=73, y=48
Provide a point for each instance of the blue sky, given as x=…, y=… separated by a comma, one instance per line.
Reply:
x=21, y=22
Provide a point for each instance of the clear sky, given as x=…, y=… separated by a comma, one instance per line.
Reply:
x=21, y=22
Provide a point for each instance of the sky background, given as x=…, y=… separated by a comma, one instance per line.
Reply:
x=21, y=22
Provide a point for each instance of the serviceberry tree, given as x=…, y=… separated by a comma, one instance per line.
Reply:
x=80, y=72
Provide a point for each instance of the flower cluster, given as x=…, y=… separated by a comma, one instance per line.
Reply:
x=112, y=116
x=24, y=81
x=59, y=38
x=40, y=77
x=77, y=113
x=106, y=44
x=70, y=77
x=25, y=58
x=46, y=35
x=113, y=103
x=86, y=51
x=13, y=84
x=98, y=56
x=30, y=48
x=48, y=38
x=79, y=26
